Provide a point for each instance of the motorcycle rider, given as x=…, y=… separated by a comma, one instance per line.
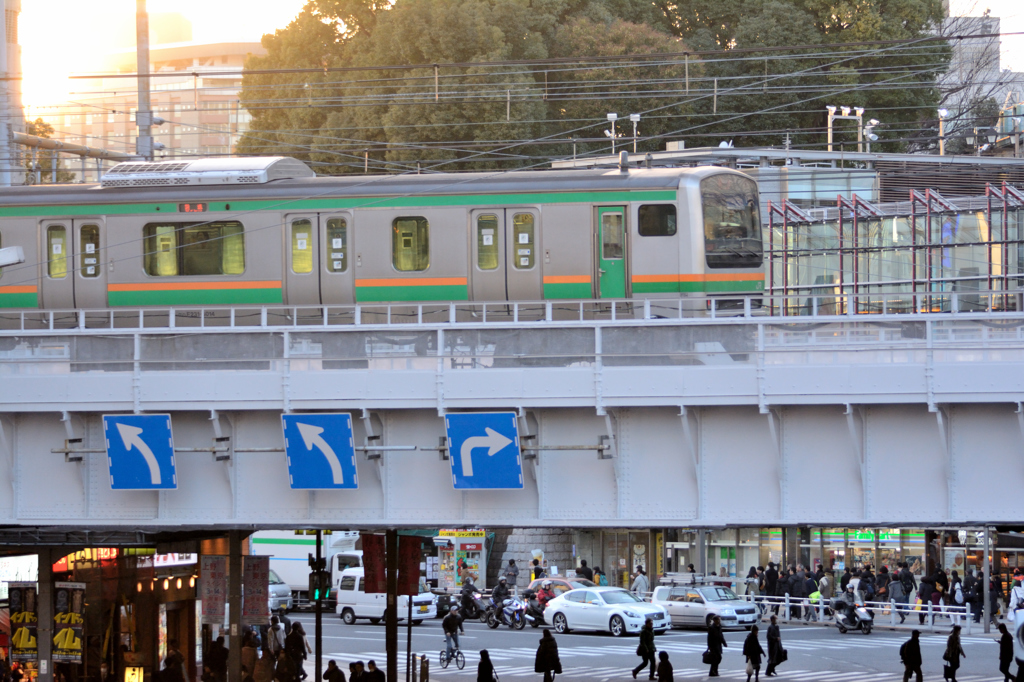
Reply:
x=468, y=592
x=498, y=596
x=848, y=603
x=545, y=594
x=452, y=626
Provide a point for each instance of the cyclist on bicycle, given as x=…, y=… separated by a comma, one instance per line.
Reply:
x=452, y=626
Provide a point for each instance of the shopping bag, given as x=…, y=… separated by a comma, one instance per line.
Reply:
x=750, y=668
x=917, y=604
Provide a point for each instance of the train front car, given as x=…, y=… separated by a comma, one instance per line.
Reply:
x=728, y=251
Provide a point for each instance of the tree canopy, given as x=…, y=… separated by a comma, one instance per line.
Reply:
x=519, y=81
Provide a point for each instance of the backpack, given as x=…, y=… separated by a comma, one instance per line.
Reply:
x=907, y=581
x=958, y=594
x=903, y=649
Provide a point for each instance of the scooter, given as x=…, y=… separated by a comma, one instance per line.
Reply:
x=852, y=618
x=477, y=609
x=511, y=613
x=534, y=611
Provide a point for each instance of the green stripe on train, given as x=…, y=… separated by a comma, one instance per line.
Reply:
x=570, y=290
x=335, y=203
x=269, y=296
x=387, y=294
x=19, y=300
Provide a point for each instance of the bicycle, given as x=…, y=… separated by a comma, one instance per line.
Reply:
x=457, y=656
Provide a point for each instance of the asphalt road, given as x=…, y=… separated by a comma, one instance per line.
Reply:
x=815, y=653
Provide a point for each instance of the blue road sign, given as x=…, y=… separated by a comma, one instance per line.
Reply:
x=140, y=451
x=483, y=448
x=320, y=449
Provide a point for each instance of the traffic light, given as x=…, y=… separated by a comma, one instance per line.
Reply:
x=319, y=585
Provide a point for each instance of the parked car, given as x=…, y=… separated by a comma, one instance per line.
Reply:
x=280, y=595
x=560, y=584
x=353, y=602
x=697, y=604
x=610, y=609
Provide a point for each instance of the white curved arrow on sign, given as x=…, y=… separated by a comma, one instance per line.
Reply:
x=311, y=436
x=132, y=436
x=493, y=441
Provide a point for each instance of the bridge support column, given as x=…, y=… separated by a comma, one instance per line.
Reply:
x=44, y=611
x=235, y=606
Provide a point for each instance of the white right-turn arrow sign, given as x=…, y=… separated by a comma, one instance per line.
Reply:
x=493, y=441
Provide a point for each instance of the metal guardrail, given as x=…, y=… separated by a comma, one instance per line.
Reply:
x=694, y=310
x=885, y=612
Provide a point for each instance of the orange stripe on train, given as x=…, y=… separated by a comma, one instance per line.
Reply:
x=26, y=289
x=192, y=286
x=567, y=279
x=418, y=282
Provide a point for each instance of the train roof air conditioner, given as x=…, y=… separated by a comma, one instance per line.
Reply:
x=228, y=171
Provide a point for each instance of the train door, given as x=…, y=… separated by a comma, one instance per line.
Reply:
x=522, y=235
x=302, y=275
x=57, y=290
x=90, y=271
x=487, y=233
x=337, y=283
x=611, y=251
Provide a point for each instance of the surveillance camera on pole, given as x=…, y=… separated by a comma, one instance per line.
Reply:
x=612, y=118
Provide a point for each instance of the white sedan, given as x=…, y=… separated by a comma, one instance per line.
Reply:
x=611, y=609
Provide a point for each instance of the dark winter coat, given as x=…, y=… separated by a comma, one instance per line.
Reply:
x=547, y=657
x=716, y=640
x=910, y=652
x=752, y=650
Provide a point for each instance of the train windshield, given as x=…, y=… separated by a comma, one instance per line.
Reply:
x=732, y=222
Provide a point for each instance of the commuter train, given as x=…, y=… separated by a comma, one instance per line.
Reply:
x=266, y=231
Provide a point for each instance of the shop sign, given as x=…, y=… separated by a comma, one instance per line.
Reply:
x=213, y=588
x=472, y=546
x=455, y=533
x=24, y=626
x=255, y=590
x=86, y=558
x=68, y=622
x=174, y=559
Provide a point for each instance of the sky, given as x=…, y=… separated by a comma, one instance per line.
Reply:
x=63, y=37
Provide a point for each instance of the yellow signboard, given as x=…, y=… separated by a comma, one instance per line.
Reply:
x=456, y=533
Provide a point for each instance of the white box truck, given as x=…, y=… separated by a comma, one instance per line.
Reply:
x=289, y=558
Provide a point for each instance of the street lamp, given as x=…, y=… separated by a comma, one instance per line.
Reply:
x=635, y=118
x=612, y=118
x=943, y=113
x=974, y=139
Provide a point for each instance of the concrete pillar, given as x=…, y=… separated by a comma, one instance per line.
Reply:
x=235, y=606
x=44, y=610
x=702, y=552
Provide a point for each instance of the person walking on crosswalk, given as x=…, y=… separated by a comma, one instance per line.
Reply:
x=1005, y=652
x=910, y=654
x=954, y=652
x=774, y=647
x=753, y=652
x=716, y=640
x=646, y=649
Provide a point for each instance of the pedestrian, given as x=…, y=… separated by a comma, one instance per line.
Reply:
x=246, y=675
x=753, y=652
x=249, y=648
x=264, y=670
x=771, y=581
x=217, y=659
x=971, y=594
x=373, y=673
x=585, y=571
x=275, y=637
x=957, y=600
x=646, y=649
x=1005, y=652
x=774, y=647
x=924, y=596
x=285, y=671
x=664, y=668
x=485, y=670
x=845, y=580
x=355, y=671
x=175, y=663
x=825, y=588
x=910, y=654
x=690, y=568
x=547, y=658
x=882, y=581
x=333, y=672
x=641, y=585
x=909, y=585
x=538, y=572
x=954, y=652
x=752, y=584
x=599, y=577
x=716, y=640
x=295, y=646
x=511, y=573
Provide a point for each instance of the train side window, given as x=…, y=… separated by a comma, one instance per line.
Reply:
x=522, y=236
x=302, y=246
x=410, y=244
x=487, y=242
x=337, y=245
x=215, y=248
x=657, y=220
x=57, y=251
x=89, y=250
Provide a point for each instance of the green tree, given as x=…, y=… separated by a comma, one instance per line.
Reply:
x=44, y=160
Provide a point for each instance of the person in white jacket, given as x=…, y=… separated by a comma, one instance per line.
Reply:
x=641, y=585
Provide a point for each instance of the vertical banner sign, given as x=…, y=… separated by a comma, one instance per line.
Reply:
x=213, y=588
x=22, y=600
x=410, y=553
x=255, y=590
x=68, y=622
x=374, y=566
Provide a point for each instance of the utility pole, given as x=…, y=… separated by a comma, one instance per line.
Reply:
x=5, y=101
x=319, y=613
x=143, y=114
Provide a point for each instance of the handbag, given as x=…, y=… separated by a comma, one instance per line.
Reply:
x=750, y=668
x=706, y=658
x=783, y=655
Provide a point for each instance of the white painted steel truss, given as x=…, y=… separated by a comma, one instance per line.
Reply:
x=904, y=420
